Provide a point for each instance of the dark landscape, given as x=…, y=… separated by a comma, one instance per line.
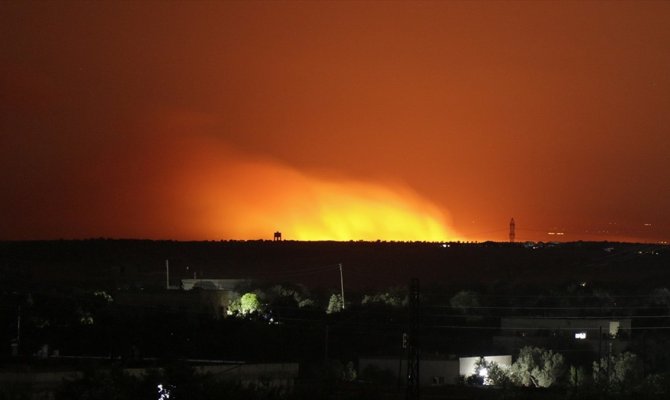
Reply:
x=105, y=303
x=118, y=264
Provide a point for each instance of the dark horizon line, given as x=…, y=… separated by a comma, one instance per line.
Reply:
x=458, y=242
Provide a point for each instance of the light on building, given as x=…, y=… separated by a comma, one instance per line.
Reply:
x=580, y=335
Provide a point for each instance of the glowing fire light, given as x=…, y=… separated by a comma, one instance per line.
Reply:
x=200, y=188
x=224, y=195
x=309, y=208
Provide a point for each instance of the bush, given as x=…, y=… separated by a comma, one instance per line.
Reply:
x=537, y=367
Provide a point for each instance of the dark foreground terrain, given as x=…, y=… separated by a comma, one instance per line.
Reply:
x=103, y=305
x=367, y=265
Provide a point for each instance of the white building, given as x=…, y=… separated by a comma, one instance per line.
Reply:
x=580, y=328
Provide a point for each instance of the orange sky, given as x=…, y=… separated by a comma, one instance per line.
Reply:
x=335, y=120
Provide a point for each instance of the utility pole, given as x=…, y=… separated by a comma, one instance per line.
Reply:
x=609, y=361
x=167, y=274
x=413, y=352
x=326, y=340
x=341, y=284
x=18, y=331
x=403, y=350
x=600, y=344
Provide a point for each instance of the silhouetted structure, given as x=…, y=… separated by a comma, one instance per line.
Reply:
x=512, y=228
x=277, y=236
x=413, y=352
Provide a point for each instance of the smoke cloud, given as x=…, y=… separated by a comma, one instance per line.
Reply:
x=170, y=177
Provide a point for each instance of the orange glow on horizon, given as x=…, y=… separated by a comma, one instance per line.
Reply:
x=258, y=198
x=321, y=210
x=368, y=212
x=201, y=188
x=335, y=120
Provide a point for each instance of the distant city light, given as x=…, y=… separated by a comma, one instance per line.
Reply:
x=580, y=335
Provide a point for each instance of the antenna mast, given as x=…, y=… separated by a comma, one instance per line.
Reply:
x=341, y=284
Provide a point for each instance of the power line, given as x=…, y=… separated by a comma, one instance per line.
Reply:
x=637, y=328
x=385, y=326
x=602, y=308
x=549, y=296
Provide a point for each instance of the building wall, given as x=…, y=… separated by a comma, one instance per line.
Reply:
x=438, y=372
x=565, y=326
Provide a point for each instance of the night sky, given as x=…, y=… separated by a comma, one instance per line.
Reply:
x=335, y=120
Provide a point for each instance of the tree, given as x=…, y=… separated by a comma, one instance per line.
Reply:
x=334, y=304
x=306, y=303
x=289, y=296
x=489, y=373
x=463, y=300
x=603, y=298
x=392, y=297
x=349, y=372
x=245, y=305
x=537, y=367
x=660, y=297
x=618, y=372
x=249, y=303
x=576, y=377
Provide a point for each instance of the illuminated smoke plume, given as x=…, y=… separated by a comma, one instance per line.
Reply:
x=222, y=194
x=258, y=198
x=174, y=179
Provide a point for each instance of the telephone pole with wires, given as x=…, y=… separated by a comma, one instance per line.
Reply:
x=413, y=352
x=341, y=284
